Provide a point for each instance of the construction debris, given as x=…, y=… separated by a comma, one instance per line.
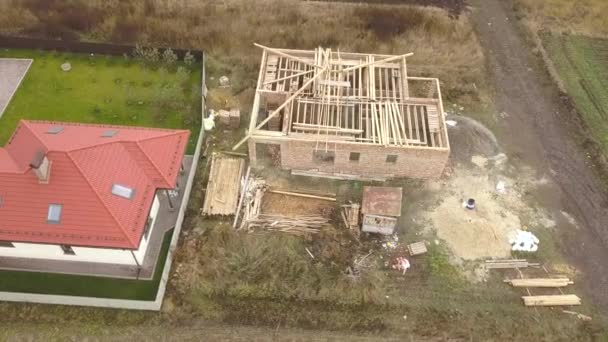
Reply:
x=552, y=300
x=578, y=315
x=540, y=282
x=252, y=200
x=224, y=82
x=230, y=118
x=510, y=263
x=350, y=216
x=297, y=225
x=223, y=187
x=401, y=264
x=417, y=248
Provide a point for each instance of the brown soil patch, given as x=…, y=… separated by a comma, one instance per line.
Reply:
x=291, y=205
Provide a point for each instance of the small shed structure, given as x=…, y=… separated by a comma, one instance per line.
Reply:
x=381, y=207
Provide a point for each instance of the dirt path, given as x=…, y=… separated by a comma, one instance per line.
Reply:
x=537, y=130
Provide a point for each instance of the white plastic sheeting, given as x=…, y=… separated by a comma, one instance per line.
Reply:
x=524, y=241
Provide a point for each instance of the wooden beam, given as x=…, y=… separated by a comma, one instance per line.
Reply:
x=552, y=300
x=297, y=194
x=281, y=53
x=276, y=111
x=288, y=77
x=386, y=60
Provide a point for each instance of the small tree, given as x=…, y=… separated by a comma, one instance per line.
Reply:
x=169, y=58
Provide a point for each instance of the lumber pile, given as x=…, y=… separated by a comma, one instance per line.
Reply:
x=223, y=187
x=552, y=300
x=417, y=248
x=509, y=263
x=298, y=225
x=540, y=282
x=252, y=200
x=350, y=216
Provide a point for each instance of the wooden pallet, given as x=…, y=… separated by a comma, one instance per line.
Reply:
x=417, y=248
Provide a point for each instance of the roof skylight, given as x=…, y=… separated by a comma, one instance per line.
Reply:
x=123, y=191
x=54, y=130
x=109, y=133
x=54, y=214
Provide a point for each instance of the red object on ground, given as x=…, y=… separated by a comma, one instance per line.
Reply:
x=86, y=160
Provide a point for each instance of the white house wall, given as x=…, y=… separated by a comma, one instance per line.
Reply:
x=143, y=246
x=54, y=252
x=84, y=254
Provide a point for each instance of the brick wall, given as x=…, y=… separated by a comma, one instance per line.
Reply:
x=413, y=163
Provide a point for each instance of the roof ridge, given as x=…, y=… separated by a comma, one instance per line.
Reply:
x=72, y=123
x=172, y=132
x=103, y=203
x=153, y=164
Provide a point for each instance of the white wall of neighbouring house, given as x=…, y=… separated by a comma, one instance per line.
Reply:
x=143, y=246
x=54, y=252
x=84, y=254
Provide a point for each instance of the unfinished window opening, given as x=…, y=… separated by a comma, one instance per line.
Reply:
x=354, y=156
x=391, y=158
x=123, y=191
x=67, y=250
x=54, y=214
x=54, y=130
x=6, y=244
x=324, y=156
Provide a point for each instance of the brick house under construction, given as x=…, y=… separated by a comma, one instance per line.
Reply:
x=347, y=115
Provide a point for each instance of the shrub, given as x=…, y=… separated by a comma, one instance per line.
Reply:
x=169, y=58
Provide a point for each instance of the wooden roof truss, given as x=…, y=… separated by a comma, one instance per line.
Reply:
x=333, y=97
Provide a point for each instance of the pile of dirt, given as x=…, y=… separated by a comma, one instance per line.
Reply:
x=470, y=138
x=480, y=233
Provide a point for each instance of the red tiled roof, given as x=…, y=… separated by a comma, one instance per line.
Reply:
x=84, y=166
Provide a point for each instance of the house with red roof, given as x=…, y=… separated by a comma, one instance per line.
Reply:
x=76, y=198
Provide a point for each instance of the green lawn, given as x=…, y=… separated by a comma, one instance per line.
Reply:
x=103, y=89
x=582, y=63
x=87, y=286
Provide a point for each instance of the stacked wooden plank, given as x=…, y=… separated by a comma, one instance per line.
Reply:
x=540, y=282
x=223, y=187
x=509, y=263
x=553, y=300
x=297, y=225
x=417, y=248
x=252, y=200
x=350, y=216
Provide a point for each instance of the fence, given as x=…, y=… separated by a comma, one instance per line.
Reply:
x=81, y=47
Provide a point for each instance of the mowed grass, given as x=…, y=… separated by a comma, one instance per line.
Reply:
x=101, y=89
x=582, y=64
x=87, y=286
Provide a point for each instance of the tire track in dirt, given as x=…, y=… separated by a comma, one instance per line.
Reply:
x=541, y=131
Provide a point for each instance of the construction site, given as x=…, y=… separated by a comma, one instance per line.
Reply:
x=346, y=115
x=348, y=169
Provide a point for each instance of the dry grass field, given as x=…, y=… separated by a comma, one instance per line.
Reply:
x=586, y=17
x=444, y=46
